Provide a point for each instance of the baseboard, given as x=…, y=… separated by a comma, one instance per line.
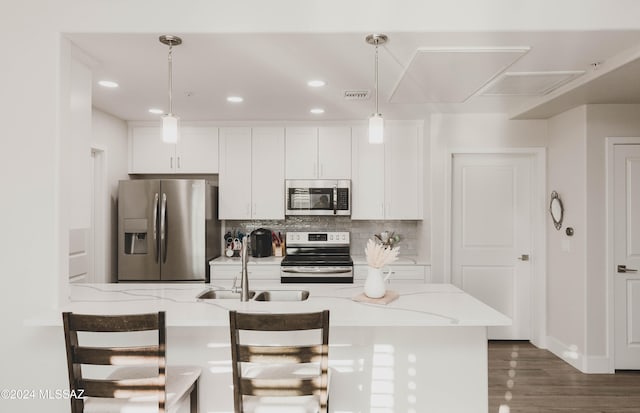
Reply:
x=571, y=355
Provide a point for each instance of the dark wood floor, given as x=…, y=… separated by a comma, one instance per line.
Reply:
x=525, y=379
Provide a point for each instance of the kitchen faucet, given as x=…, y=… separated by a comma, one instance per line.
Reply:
x=244, y=275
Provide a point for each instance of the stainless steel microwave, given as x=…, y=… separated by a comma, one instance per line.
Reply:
x=318, y=197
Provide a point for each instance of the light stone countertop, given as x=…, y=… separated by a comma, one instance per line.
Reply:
x=418, y=305
x=222, y=260
x=357, y=260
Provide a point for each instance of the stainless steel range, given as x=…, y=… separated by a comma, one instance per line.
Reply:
x=317, y=257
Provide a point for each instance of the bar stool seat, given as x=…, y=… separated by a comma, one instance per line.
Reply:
x=178, y=381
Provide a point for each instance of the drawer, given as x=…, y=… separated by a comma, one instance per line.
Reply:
x=256, y=272
x=399, y=273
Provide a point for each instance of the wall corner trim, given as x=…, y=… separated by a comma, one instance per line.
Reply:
x=572, y=356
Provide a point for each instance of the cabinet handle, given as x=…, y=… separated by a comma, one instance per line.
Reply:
x=179, y=163
x=171, y=162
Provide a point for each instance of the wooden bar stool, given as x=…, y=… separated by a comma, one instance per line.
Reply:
x=270, y=376
x=142, y=384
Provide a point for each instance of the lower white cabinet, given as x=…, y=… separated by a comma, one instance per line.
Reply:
x=251, y=180
x=225, y=270
x=408, y=273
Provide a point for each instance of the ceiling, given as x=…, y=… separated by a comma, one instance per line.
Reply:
x=523, y=74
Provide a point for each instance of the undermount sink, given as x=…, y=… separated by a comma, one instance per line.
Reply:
x=282, y=295
x=222, y=295
x=266, y=295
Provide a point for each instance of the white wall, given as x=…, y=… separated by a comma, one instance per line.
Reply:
x=110, y=134
x=577, y=277
x=566, y=283
x=602, y=121
x=469, y=131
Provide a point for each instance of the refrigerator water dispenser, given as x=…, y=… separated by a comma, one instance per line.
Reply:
x=135, y=236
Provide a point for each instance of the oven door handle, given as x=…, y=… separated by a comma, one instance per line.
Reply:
x=316, y=270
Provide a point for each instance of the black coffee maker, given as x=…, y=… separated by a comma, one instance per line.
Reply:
x=261, y=243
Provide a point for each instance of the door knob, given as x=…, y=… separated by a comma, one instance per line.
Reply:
x=623, y=269
x=524, y=257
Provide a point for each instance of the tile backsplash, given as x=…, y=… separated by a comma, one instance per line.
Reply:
x=360, y=231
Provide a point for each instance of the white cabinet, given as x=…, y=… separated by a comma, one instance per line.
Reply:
x=267, y=173
x=399, y=273
x=318, y=153
x=195, y=152
x=227, y=269
x=234, y=181
x=387, y=179
x=251, y=180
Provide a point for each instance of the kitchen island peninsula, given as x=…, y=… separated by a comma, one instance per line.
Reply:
x=426, y=351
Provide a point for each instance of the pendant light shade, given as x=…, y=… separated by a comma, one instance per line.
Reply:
x=376, y=128
x=170, y=122
x=376, y=121
x=170, y=128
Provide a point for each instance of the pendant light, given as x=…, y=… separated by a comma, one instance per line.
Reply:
x=169, y=120
x=376, y=122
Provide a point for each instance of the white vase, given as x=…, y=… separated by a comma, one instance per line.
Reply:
x=374, y=285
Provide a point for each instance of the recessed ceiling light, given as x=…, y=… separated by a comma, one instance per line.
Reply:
x=316, y=83
x=317, y=111
x=234, y=99
x=156, y=111
x=108, y=83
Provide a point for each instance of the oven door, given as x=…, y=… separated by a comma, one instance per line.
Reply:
x=316, y=274
x=318, y=197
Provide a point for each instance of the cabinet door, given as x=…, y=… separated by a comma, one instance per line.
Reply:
x=148, y=153
x=197, y=150
x=267, y=173
x=334, y=152
x=367, y=183
x=403, y=170
x=234, y=180
x=301, y=153
x=398, y=273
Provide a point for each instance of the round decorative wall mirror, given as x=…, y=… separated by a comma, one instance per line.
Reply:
x=556, y=210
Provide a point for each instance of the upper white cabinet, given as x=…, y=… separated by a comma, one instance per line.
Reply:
x=267, y=173
x=251, y=180
x=195, y=152
x=318, y=153
x=387, y=179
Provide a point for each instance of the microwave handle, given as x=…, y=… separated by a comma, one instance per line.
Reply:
x=335, y=200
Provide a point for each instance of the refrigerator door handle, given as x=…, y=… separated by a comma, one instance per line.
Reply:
x=163, y=227
x=156, y=205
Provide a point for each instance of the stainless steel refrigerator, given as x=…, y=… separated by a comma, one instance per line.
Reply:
x=168, y=229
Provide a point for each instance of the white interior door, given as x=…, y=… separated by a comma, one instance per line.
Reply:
x=491, y=237
x=627, y=253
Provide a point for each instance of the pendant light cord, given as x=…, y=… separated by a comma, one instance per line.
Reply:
x=170, y=78
x=376, y=76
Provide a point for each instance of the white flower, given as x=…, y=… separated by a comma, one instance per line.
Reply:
x=379, y=255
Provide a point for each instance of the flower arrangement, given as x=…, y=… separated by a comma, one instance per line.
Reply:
x=378, y=254
x=388, y=239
